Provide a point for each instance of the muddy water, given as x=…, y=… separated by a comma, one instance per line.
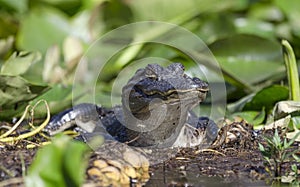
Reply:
x=183, y=178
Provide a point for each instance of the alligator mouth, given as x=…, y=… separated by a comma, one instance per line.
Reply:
x=175, y=91
x=192, y=96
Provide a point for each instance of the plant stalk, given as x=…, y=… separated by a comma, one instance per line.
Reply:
x=292, y=70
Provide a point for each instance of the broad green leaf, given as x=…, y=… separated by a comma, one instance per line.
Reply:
x=239, y=105
x=215, y=26
x=42, y=28
x=249, y=58
x=267, y=97
x=253, y=117
x=172, y=10
x=255, y=27
x=74, y=163
x=116, y=13
x=250, y=71
x=247, y=47
x=19, y=63
x=58, y=164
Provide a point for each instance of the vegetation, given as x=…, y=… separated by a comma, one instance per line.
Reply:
x=277, y=151
x=43, y=41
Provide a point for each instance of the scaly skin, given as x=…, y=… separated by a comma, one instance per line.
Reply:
x=156, y=111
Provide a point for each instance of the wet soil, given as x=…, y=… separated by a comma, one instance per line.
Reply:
x=230, y=164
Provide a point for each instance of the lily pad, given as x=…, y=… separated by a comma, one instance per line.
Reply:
x=249, y=58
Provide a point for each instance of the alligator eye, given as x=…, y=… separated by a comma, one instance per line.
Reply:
x=196, y=80
x=153, y=78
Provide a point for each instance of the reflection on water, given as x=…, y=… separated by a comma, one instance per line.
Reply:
x=161, y=177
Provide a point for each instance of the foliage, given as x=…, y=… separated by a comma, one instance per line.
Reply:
x=5, y=137
x=241, y=34
x=42, y=42
x=276, y=152
x=292, y=71
x=61, y=163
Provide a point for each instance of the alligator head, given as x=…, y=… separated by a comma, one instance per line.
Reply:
x=156, y=102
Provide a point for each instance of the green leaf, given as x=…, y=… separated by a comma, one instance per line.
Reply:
x=74, y=168
x=116, y=13
x=292, y=70
x=70, y=7
x=296, y=158
x=253, y=117
x=18, y=64
x=293, y=139
x=267, y=97
x=17, y=5
x=291, y=10
x=255, y=27
x=59, y=97
x=296, y=121
x=16, y=90
x=263, y=11
x=170, y=10
x=58, y=164
x=277, y=140
x=261, y=147
x=248, y=58
x=42, y=28
x=215, y=27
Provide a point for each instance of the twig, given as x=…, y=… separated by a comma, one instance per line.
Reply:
x=34, y=145
x=31, y=133
x=210, y=150
x=17, y=124
x=134, y=139
x=12, y=181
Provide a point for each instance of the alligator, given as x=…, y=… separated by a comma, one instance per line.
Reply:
x=156, y=112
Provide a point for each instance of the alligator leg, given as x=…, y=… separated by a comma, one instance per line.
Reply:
x=210, y=127
x=86, y=116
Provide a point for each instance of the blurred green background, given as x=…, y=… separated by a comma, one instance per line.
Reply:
x=42, y=41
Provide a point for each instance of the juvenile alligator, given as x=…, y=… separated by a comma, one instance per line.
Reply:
x=156, y=112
